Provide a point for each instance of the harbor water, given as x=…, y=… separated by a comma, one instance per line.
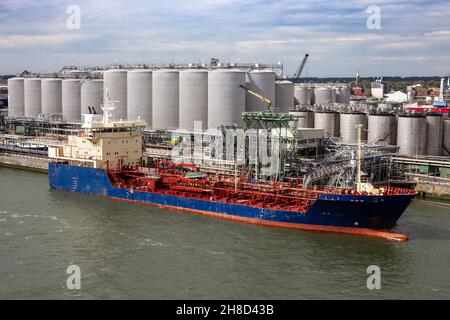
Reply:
x=131, y=251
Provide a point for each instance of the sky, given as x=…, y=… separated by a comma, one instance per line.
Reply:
x=412, y=38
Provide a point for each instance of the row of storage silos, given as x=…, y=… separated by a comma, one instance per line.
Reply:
x=413, y=134
x=166, y=99
x=31, y=97
x=321, y=95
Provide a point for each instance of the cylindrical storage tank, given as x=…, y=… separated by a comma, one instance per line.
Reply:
x=16, y=97
x=382, y=127
x=306, y=118
x=434, y=135
x=446, y=142
x=193, y=98
x=329, y=121
x=262, y=82
x=115, y=87
x=165, y=99
x=344, y=95
x=139, y=88
x=348, y=126
x=71, y=100
x=411, y=134
x=51, y=96
x=226, y=100
x=32, y=97
x=337, y=95
x=323, y=96
x=302, y=95
x=284, y=95
x=91, y=96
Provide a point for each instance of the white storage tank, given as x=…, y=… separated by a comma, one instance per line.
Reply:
x=51, y=96
x=32, y=97
x=345, y=95
x=193, y=98
x=71, y=100
x=342, y=95
x=115, y=86
x=16, y=97
x=302, y=95
x=306, y=118
x=140, y=95
x=328, y=121
x=263, y=83
x=348, y=126
x=323, y=96
x=382, y=128
x=411, y=134
x=284, y=95
x=434, y=134
x=226, y=100
x=165, y=99
x=91, y=96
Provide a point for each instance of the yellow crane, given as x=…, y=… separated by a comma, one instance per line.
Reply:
x=259, y=96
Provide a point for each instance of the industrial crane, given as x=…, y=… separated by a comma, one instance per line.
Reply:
x=301, y=67
x=259, y=96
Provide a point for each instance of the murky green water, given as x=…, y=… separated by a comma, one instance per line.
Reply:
x=134, y=251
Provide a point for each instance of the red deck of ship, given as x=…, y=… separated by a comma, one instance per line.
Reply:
x=168, y=178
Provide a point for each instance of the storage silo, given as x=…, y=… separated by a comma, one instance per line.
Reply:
x=382, y=127
x=328, y=121
x=411, y=134
x=284, y=95
x=32, y=97
x=16, y=97
x=226, y=100
x=91, y=96
x=302, y=95
x=51, y=96
x=345, y=95
x=139, y=88
x=193, y=98
x=323, y=96
x=71, y=100
x=115, y=87
x=262, y=82
x=342, y=95
x=434, y=135
x=446, y=142
x=348, y=126
x=165, y=99
x=306, y=118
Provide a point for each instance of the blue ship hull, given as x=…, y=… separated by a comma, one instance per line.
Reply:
x=336, y=213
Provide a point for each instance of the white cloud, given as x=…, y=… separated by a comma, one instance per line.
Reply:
x=27, y=41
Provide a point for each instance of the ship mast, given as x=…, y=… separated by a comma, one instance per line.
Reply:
x=107, y=108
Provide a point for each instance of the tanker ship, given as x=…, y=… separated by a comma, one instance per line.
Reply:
x=106, y=159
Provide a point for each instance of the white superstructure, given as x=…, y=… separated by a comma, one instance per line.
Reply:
x=103, y=143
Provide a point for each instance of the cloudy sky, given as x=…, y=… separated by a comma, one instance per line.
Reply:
x=414, y=37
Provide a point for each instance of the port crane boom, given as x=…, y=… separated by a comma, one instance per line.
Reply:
x=259, y=96
x=300, y=68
